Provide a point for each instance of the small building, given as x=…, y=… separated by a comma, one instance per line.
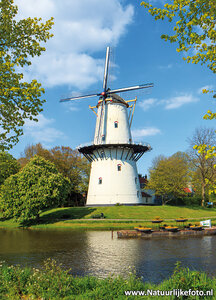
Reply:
x=148, y=196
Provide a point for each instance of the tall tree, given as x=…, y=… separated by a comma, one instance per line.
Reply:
x=30, y=151
x=37, y=186
x=203, y=166
x=19, y=100
x=72, y=165
x=194, y=28
x=169, y=177
x=8, y=166
x=69, y=162
x=209, y=152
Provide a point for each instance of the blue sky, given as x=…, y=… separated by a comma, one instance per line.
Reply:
x=73, y=63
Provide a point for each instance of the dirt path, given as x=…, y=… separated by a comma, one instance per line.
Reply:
x=139, y=220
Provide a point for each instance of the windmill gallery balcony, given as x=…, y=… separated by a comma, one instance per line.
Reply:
x=114, y=150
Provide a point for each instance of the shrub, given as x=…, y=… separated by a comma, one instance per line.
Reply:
x=37, y=186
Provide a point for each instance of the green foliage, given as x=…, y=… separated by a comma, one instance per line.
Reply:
x=8, y=166
x=52, y=282
x=69, y=162
x=13, y=281
x=19, y=100
x=195, y=33
x=73, y=166
x=195, y=200
x=169, y=177
x=203, y=170
x=209, y=154
x=185, y=279
x=37, y=186
x=194, y=28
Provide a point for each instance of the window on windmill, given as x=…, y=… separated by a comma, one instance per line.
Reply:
x=102, y=154
x=103, y=137
x=137, y=193
x=116, y=124
x=119, y=167
x=135, y=180
x=100, y=180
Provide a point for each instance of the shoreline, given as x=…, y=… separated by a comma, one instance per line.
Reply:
x=53, y=282
x=92, y=224
x=116, y=217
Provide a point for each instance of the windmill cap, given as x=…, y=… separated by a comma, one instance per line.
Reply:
x=114, y=98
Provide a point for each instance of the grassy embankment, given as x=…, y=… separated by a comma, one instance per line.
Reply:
x=116, y=217
x=51, y=282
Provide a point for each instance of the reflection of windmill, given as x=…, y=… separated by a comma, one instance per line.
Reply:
x=113, y=177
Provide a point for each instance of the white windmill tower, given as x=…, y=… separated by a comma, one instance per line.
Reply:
x=113, y=155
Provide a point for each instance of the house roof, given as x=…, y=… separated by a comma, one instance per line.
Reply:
x=188, y=190
x=145, y=195
x=143, y=180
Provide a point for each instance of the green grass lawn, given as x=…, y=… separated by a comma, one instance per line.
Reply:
x=81, y=217
x=131, y=212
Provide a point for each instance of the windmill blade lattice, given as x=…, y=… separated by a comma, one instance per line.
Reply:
x=106, y=91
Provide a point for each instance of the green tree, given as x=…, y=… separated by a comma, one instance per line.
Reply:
x=72, y=165
x=69, y=162
x=37, y=186
x=169, y=176
x=19, y=100
x=194, y=28
x=8, y=166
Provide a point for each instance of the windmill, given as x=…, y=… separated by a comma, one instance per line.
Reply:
x=113, y=155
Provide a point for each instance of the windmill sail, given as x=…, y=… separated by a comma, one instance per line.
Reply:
x=106, y=91
x=106, y=69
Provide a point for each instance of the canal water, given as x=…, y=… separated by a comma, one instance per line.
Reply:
x=97, y=253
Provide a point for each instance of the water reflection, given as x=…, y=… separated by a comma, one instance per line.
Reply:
x=96, y=253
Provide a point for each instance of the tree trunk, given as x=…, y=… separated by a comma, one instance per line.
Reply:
x=37, y=218
x=203, y=194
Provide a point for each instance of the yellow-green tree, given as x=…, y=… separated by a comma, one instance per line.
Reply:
x=194, y=28
x=195, y=32
x=19, y=100
x=203, y=171
x=169, y=177
x=8, y=166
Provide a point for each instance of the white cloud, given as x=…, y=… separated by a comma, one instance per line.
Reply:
x=71, y=106
x=178, y=101
x=81, y=29
x=171, y=103
x=169, y=66
x=148, y=103
x=206, y=87
x=147, y=131
x=42, y=131
x=42, y=122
